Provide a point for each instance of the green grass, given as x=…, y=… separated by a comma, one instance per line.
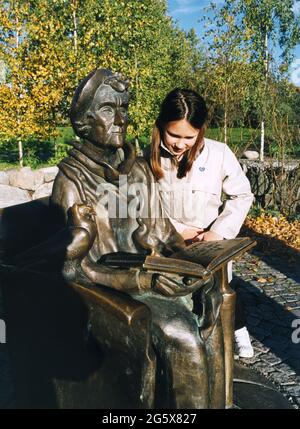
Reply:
x=239, y=139
x=37, y=153
x=8, y=165
x=65, y=134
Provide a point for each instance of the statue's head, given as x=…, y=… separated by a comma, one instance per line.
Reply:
x=99, y=108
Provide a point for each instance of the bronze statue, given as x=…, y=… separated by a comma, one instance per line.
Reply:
x=189, y=345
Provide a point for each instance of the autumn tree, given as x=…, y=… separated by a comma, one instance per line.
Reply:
x=264, y=26
x=16, y=120
x=36, y=59
x=48, y=46
x=229, y=75
x=143, y=43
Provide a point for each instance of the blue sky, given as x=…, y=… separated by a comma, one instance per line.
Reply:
x=189, y=12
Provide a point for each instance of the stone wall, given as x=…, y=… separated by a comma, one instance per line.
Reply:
x=275, y=185
x=22, y=185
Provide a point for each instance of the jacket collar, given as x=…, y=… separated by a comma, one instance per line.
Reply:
x=164, y=147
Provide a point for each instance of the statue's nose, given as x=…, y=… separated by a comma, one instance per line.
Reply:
x=119, y=118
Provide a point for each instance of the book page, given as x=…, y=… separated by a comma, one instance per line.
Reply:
x=212, y=254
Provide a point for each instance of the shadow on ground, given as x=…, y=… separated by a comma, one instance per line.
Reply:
x=271, y=325
x=276, y=253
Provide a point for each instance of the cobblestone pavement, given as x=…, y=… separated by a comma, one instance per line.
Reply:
x=269, y=287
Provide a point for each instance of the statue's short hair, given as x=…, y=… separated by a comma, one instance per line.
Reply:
x=85, y=93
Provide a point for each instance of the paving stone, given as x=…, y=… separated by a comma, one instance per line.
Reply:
x=255, y=284
x=283, y=367
x=292, y=303
x=263, y=368
x=287, y=383
x=298, y=401
x=294, y=287
x=294, y=390
x=281, y=276
x=288, y=295
x=261, y=347
x=282, y=380
x=271, y=359
x=279, y=288
x=250, y=361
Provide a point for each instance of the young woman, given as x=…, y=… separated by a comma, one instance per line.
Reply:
x=194, y=173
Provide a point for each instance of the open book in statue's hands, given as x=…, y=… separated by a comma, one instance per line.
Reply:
x=200, y=259
x=213, y=254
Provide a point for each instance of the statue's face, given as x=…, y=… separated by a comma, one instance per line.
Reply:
x=108, y=117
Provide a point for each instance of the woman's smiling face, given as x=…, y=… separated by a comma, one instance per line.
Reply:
x=179, y=137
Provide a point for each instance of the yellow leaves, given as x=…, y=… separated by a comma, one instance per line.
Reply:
x=277, y=227
x=133, y=37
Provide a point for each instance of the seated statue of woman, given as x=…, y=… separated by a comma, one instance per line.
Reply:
x=102, y=173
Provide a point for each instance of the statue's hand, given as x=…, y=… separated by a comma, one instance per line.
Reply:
x=175, y=285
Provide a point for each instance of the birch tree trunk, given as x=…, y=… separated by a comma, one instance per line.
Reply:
x=20, y=144
x=226, y=115
x=262, y=127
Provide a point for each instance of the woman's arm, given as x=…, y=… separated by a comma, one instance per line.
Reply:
x=236, y=186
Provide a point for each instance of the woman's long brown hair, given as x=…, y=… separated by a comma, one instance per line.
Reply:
x=178, y=104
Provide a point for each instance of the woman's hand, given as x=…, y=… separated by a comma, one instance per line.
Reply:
x=192, y=235
x=208, y=236
x=189, y=234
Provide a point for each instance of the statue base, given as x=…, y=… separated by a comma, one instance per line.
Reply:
x=252, y=390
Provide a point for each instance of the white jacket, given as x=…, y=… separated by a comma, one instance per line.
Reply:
x=195, y=200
